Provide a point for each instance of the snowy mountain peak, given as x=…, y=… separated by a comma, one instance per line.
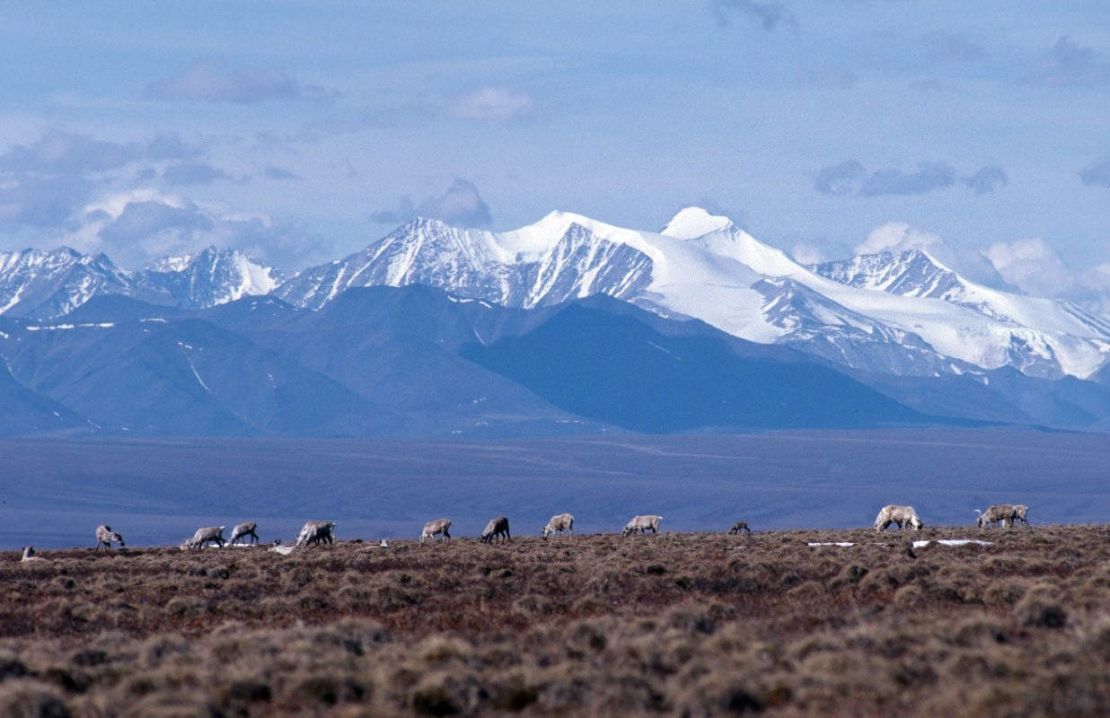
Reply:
x=892, y=312
x=178, y=263
x=693, y=222
x=32, y=257
x=209, y=277
x=922, y=254
x=896, y=312
x=910, y=273
x=45, y=284
x=561, y=257
x=417, y=224
x=48, y=283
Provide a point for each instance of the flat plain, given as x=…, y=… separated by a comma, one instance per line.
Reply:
x=690, y=624
x=157, y=492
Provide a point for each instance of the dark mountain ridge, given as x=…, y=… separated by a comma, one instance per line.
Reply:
x=416, y=361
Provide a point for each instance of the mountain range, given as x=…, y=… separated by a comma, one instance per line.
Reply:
x=42, y=284
x=901, y=313
x=566, y=325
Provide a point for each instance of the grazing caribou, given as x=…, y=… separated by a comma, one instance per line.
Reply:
x=901, y=515
x=314, y=533
x=559, y=523
x=1005, y=514
x=497, y=528
x=205, y=536
x=642, y=524
x=740, y=527
x=105, y=537
x=438, y=527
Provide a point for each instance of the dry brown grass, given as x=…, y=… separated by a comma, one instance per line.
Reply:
x=678, y=624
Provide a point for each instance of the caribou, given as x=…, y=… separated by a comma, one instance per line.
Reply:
x=244, y=530
x=1005, y=514
x=437, y=527
x=497, y=528
x=205, y=536
x=642, y=524
x=105, y=537
x=559, y=523
x=901, y=515
x=316, y=532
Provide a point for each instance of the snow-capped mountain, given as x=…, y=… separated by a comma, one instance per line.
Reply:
x=916, y=273
x=911, y=273
x=40, y=284
x=902, y=314
x=818, y=325
x=209, y=277
x=1047, y=337
x=897, y=313
x=513, y=270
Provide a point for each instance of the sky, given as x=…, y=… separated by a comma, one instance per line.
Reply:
x=301, y=132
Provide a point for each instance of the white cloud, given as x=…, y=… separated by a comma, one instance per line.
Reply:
x=492, y=103
x=1068, y=64
x=806, y=253
x=461, y=205
x=1032, y=265
x=96, y=196
x=896, y=237
x=215, y=82
x=901, y=236
x=42, y=183
x=137, y=226
x=768, y=15
x=1094, y=289
x=1101, y=275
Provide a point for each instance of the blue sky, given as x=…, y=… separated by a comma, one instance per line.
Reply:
x=302, y=131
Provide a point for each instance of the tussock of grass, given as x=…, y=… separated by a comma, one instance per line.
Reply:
x=676, y=624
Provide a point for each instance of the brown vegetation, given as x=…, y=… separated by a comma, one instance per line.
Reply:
x=677, y=624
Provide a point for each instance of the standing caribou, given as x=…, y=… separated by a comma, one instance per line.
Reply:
x=244, y=530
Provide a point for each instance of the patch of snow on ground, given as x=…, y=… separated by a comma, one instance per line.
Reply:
x=199, y=380
x=953, y=542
